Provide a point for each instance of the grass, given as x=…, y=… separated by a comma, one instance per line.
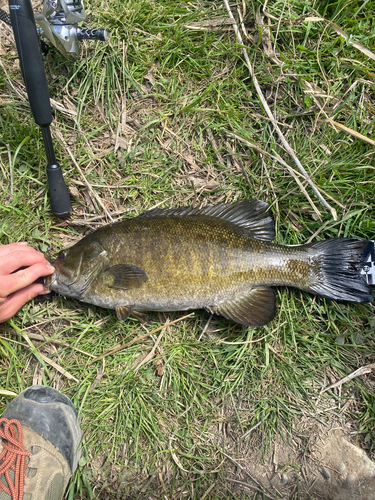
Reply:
x=161, y=90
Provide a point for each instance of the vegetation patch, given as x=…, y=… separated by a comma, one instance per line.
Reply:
x=166, y=114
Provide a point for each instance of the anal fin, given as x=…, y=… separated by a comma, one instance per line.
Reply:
x=256, y=308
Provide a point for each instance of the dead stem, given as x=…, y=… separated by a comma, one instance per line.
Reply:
x=269, y=113
x=91, y=191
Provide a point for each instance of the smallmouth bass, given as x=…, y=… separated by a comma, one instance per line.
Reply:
x=219, y=258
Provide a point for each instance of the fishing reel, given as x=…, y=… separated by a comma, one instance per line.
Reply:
x=59, y=24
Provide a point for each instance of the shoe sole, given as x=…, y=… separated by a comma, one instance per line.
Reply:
x=53, y=416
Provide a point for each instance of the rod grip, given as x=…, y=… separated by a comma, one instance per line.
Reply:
x=31, y=62
x=58, y=192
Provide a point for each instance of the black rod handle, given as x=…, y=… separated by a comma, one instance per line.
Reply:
x=58, y=193
x=31, y=62
x=34, y=75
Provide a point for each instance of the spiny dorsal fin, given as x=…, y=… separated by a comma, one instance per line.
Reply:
x=249, y=214
x=256, y=308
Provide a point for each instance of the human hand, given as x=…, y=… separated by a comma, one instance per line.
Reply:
x=18, y=288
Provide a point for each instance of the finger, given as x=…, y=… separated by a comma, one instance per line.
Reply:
x=13, y=303
x=11, y=254
x=22, y=245
x=13, y=260
x=23, y=278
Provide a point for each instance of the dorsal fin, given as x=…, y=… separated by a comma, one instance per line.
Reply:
x=248, y=214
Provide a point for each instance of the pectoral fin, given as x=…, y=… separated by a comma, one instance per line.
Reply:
x=123, y=312
x=126, y=276
x=257, y=308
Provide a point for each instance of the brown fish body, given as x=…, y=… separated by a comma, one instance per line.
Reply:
x=219, y=258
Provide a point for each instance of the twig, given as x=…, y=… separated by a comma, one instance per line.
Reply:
x=150, y=355
x=215, y=146
x=98, y=377
x=11, y=171
x=39, y=356
x=58, y=367
x=23, y=94
x=140, y=338
x=244, y=342
x=30, y=345
x=252, y=429
x=342, y=33
x=317, y=232
x=350, y=131
x=252, y=341
x=277, y=354
x=91, y=191
x=248, y=486
x=277, y=158
x=43, y=338
x=295, y=174
x=99, y=217
x=179, y=464
x=357, y=373
x=269, y=113
x=208, y=491
x=264, y=164
x=247, y=473
x=20, y=92
x=5, y=392
x=205, y=328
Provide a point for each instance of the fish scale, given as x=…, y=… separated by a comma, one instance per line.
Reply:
x=220, y=258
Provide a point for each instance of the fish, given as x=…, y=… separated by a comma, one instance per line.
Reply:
x=220, y=258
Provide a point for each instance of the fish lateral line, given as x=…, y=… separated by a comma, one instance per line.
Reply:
x=219, y=258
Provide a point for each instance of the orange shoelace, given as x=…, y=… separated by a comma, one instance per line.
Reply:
x=12, y=457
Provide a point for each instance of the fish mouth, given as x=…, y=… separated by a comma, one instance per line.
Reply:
x=50, y=280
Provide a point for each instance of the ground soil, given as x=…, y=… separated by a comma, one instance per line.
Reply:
x=321, y=460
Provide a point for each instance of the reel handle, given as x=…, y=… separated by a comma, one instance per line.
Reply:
x=92, y=34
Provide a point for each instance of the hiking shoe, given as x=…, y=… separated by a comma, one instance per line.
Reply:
x=39, y=449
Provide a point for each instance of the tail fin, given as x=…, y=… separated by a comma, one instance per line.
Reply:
x=336, y=269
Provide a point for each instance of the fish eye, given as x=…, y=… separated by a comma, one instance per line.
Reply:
x=61, y=256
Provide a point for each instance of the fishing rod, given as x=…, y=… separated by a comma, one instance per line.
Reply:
x=58, y=23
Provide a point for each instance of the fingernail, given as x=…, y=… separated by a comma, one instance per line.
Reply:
x=50, y=268
x=24, y=243
x=44, y=292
